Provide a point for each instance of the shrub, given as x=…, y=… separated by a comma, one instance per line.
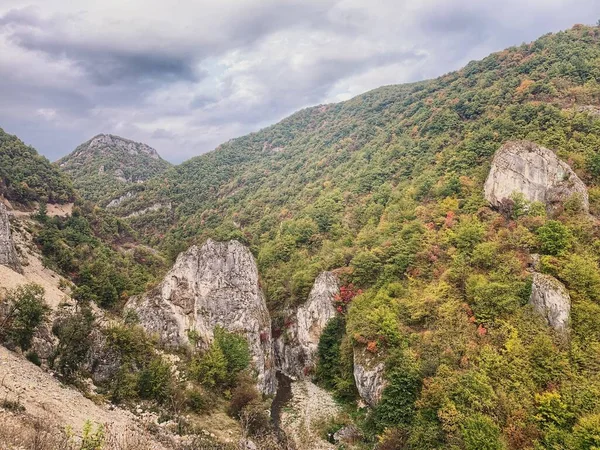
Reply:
x=582, y=276
x=479, y=432
x=586, y=433
x=555, y=238
x=235, y=350
x=211, y=368
x=25, y=310
x=73, y=331
x=328, y=364
x=244, y=394
x=154, y=381
x=397, y=404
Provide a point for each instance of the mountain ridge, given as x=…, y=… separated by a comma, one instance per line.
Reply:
x=101, y=165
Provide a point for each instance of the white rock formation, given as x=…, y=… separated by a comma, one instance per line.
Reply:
x=8, y=253
x=534, y=171
x=213, y=285
x=551, y=300
x=368, y=375
x=296, y=348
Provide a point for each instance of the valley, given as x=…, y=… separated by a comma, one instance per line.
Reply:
x=414, y=268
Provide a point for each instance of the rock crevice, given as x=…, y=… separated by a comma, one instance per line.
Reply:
x=296, y=348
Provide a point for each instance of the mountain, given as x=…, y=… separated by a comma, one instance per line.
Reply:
x=447, y=326
x=105, y=163
x=427, y=253
x=327, y=175
x=26, y=176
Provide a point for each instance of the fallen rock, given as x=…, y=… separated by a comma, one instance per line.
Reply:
x=551, y=300
x=296, y=348
x=368, y=376
x=534, y=171
x=8, y=253
x=213, y=285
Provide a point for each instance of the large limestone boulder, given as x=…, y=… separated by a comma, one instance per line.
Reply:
x=551, y=300
x=534, y=171
x=8, y=253
x=296, y=348
x=213, y=285
x=368, y=375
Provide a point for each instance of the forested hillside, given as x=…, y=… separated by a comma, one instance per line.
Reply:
x=26, y=176
x=387, y=190
x=104, y=164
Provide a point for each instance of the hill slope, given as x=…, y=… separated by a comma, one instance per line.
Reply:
x=105, y=163
x=326, y=172
x=26, y=176
x=387, y=191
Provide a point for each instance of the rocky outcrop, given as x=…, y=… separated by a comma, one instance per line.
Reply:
x=368, y=376
x=296, y=348
x=534, y=171
x=209, y=286
x=8, y=253
x=551, y=300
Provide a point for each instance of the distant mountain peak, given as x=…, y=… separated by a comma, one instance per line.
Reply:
x=118, y=143
x=106, y=163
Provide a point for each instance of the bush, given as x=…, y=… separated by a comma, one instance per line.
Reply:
x=244, y=394
x=555, y=238
x=154, y=381
x=586, y=433
x=24, y=311
x=211, y=368
x=328, y=364
x=479, y=432
x=235, y=350
x=581, y=275
x=74, y=340
x=197, y=401
x=397, y=404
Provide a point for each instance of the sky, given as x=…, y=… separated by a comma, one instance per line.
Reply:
x=184, y=76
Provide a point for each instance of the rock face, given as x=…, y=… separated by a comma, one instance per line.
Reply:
x=213, y=285
x=368, y=376
x=8, y=253
x=296, y=348
x=551, y=300
x=534, y=171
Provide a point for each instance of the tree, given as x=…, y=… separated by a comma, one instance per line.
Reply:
x=25, y=311
x=555, y=238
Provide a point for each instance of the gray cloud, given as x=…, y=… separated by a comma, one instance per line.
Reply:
x=186, y=78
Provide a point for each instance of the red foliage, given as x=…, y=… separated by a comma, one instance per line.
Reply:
x=372, y=346
x=449, y=222
x=344, y=297
x=481, y=330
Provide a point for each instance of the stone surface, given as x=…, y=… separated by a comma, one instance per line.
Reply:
x=551, y=300
x=296, y=348
x=368, y=376
x=8, y=253
x=534, y=171
x=213, y=285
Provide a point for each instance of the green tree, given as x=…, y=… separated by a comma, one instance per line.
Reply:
x=24, y=311
x=479, y=432
x=555, y=238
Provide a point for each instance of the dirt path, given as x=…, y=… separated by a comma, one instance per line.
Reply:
x=310, y=405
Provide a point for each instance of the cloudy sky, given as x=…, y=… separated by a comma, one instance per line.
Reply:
x=186, y=75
